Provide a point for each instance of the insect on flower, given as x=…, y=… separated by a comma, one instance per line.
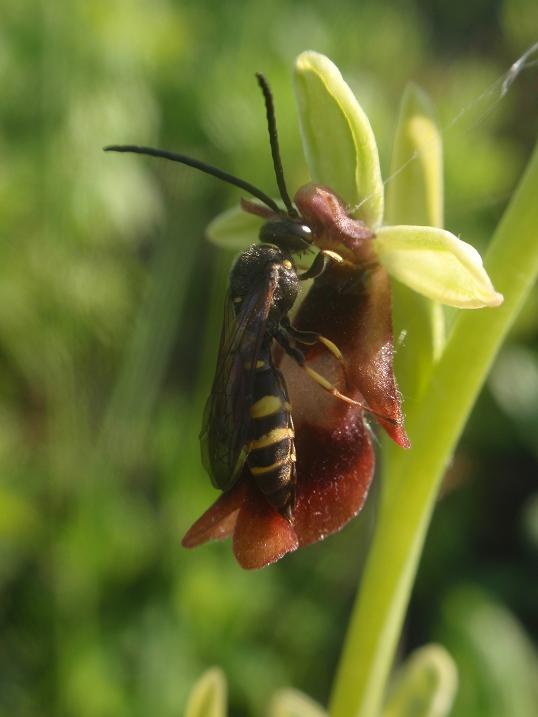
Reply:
x=285, y=486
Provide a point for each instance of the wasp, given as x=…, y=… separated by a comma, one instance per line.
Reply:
x=248, y=416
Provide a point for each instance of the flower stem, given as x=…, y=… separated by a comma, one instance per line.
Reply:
x=411, y=480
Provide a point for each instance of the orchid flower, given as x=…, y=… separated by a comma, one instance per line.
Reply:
x=350, y=304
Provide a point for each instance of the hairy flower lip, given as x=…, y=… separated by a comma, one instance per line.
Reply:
x=334, y=474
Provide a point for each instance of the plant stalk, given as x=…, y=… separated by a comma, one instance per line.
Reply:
x=411, y=481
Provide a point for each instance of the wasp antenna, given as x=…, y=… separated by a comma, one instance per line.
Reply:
x=273, y=138
x=197, y=164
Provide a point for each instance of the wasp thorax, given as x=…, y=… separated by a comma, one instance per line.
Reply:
x=252, y=269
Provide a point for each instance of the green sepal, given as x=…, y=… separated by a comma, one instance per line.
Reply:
x=338, y=140
x=234, y=229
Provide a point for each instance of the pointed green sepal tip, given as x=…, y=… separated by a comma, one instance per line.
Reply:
x=425, y=686
x=415, y=190
x=234, y=229
x=338, y=140
x=438, y=265
x=208, y=697
x=292, y=703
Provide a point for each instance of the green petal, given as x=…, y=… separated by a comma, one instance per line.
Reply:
x=415, y=187
x=425, y=686
x=292, y=703
x=208, y=697
x=437, y=264
x=234, y=229
x=338, y=141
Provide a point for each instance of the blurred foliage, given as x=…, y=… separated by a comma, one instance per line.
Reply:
x=110, y=304
x=424, y=686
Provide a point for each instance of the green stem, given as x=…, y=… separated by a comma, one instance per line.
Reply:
x=411, y=481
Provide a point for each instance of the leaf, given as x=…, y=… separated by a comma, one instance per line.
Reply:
x=234, y=229
x=498, y=662
x=437, y=264
x=208, y=697
x=338, y=140
x=292, y=703
x=425, y=685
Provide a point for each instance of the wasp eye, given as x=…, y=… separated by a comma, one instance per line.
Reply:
x=286, y=234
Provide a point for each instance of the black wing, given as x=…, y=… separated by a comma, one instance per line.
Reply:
x=226, y=420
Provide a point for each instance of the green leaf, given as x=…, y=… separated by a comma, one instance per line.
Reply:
x=498, y=664
x=425, y=686
x=437, y=264
x=292, y=703
x=208, y=697
x=338, y=140
x=234, y=229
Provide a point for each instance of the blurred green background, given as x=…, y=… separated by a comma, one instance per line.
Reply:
x=110, y=307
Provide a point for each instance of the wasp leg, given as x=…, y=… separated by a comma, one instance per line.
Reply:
x=319, y=264
x=310, y=338
x=299, y=357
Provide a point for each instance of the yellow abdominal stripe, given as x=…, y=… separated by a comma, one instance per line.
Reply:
x=260, y=470
x=267, y=405
x=274, y=436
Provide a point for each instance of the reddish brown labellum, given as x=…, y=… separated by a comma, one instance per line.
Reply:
x=351, y=305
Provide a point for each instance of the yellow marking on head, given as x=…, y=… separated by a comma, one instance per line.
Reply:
x=260, y=470
x=274, y=436
x=287, y=264
x=260, y=364
x=265, y=406
x=237, y=299
x=333, y=348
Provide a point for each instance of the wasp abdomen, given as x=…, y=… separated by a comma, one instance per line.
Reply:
x=271, y=453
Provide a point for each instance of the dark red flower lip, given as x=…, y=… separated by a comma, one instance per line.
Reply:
x=334, y=472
